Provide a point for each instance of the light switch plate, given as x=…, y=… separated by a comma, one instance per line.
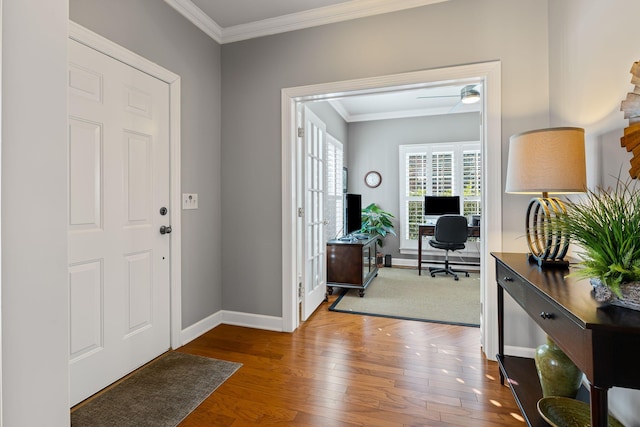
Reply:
x=189, y=201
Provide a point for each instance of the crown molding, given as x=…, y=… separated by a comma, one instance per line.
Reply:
x=197, y=17
x=294, y=21
x=320, y=16
x=339, y=108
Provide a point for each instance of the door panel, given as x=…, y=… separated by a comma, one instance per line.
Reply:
x=118, y=181
x=86, y=316
x=140, y=291
x=85, y=151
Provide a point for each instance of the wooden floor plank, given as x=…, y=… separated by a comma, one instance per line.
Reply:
x=346, y=370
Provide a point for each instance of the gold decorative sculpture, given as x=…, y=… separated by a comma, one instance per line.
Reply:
x=631, y=108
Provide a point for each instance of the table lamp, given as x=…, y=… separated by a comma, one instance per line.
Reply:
x=546, y=161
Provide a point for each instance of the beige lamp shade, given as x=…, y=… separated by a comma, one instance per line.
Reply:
x=547, y=161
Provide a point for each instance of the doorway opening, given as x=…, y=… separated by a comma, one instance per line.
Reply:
x=489, y=75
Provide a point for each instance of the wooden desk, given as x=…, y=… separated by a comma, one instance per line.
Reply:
x=428, y=230
x=603, y=343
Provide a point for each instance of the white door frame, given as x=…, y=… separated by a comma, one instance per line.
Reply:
x=489, y=73
x=99, y=43
x=1, y=400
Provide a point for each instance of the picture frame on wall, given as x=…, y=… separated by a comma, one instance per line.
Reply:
x=345, y=174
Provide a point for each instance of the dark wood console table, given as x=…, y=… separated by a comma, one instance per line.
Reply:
x=603, y=343
x=351, y=264
x=428, y=230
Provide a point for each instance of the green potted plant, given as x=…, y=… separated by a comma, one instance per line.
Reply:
x=377, y=222
x=606, y=226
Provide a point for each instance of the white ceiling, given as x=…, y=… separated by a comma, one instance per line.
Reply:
x=228, y=21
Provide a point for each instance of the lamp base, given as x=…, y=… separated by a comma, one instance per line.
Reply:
x=548, y=263
x=547, y=244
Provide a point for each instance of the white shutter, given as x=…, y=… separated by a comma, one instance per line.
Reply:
x=472, y=181
x=442, y=174
x=417, y=170
x=335, y=199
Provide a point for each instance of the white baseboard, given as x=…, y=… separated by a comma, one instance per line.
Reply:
x=519, y=351
x=257, y=321
x=404, y=262
x=194, y=331
x=413, y=263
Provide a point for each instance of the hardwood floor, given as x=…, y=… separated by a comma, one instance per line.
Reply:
x=343, y=369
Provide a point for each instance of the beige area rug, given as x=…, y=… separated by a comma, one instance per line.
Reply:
x=160, y=394
x=401, y=293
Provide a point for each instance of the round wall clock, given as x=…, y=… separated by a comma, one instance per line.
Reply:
x=372, y=179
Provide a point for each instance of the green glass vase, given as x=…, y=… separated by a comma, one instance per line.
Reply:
x=559, y=376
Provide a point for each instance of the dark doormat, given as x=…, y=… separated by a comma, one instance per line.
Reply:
x=160, y=394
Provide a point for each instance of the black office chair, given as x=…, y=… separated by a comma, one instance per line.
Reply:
x=450, y=235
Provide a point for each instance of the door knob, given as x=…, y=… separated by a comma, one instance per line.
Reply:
x=165, y=229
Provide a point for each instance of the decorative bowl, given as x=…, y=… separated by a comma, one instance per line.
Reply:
x=566, y=412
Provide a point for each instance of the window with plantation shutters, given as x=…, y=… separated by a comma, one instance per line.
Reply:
x=471, y=181
x=334, y=206
x=439, y=169
x=415, y=188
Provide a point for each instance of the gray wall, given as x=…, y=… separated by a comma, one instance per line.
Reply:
x=254, y=72
x=374, y=146
x=592, y=47
x=155, y=31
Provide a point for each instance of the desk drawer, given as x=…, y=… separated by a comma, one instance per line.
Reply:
x=551, y=317
x=554, y=321
x=511, y=283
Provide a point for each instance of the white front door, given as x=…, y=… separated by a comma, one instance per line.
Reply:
x=314, y=241
x=118, y=184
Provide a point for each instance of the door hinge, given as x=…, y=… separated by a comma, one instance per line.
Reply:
x=300, y=212
x=300, y=132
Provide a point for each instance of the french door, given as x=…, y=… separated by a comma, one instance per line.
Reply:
x=311, y=221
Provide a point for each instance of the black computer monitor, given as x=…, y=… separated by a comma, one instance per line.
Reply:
x=441, y=205
x=353, y=214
